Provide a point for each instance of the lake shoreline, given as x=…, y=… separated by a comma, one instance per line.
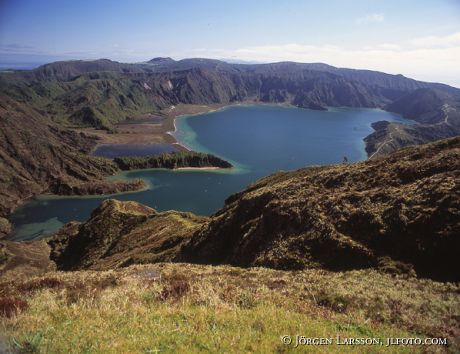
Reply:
x=164, y=131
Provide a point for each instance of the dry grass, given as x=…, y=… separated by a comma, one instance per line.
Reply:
x=190, y=308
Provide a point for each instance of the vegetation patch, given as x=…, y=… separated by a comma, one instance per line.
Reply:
x=172, y=160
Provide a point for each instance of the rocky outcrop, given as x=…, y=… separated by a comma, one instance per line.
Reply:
x=5, y=227
x=122, y=233
x=400, y=213
x=172, y=160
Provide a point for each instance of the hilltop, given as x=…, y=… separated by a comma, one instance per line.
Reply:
x=122, y=233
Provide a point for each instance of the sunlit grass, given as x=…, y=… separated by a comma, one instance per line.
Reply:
x=223, y=309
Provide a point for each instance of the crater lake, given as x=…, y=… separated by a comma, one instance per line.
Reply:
x=257, y=139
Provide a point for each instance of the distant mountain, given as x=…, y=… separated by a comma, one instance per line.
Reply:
x=19, y=66
x=161, y=60
x=102, y=92
x=64, y=70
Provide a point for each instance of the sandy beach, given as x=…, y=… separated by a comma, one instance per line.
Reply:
x=158, y=127
x=197, y=168
x=158, y=131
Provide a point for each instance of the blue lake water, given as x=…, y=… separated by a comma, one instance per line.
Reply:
x=257, y=140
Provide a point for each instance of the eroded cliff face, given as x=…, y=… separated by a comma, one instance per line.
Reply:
x=400, y=213
x=102, y=92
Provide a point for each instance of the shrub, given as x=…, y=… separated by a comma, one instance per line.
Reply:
x=176, y=289
x=246, y=300
x=37, y=284
x=10, y=307
x=335, y=302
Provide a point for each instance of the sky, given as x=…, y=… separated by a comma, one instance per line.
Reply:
x=416, y=38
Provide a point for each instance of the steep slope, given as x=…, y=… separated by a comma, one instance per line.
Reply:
x=423, y=105
x=22, y=260
x=398, y=213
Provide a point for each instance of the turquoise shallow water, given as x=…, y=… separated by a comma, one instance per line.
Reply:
x=258, y=140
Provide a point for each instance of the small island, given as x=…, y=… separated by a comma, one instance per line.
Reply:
x=173, y=160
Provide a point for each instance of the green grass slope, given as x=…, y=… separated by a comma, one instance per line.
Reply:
x=178, y=308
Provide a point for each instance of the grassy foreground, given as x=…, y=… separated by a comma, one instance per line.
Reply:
x=169, y=308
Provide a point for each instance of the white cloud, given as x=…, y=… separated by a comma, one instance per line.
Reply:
x=371, y=18
x=387, y=46
x=430, y=63
x=437, y=41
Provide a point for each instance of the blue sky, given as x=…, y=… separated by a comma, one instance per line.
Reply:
x=420, y=39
